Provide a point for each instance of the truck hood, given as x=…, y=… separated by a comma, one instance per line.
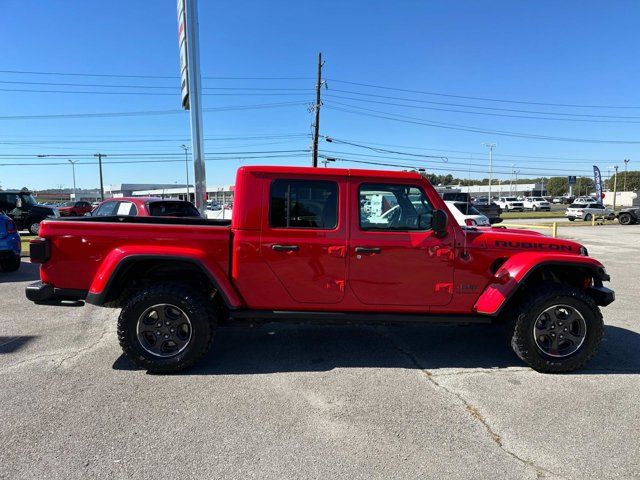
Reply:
x=518, y=240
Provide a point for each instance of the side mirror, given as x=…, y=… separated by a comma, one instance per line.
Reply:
x=439, y=222
x=88, y=214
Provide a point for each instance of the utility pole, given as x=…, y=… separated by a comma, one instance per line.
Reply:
x=194, y=101
x=626, y=161
x=615, y=187
x=99, y=156
x=316, y=124
x=491, y=146
x=73, y=169
x=186, y=164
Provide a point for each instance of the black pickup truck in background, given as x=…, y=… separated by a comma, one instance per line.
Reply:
x=483, y=205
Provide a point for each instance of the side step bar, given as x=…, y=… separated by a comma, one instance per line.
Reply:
x=350, y=317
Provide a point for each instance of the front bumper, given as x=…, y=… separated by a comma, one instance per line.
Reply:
x=39, y=292
x=603, y=296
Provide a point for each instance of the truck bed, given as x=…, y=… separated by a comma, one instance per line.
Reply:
x=81, y=248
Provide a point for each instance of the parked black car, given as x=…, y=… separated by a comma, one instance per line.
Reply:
x=23, y=209
x=629, y=216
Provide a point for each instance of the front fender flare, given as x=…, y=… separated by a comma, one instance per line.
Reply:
x=121, y=257
x=519, y=267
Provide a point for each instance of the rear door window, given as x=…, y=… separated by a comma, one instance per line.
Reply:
x=303, y=204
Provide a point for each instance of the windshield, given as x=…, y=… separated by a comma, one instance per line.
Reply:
x=28, y=200
x=67, y=204
x=511, y=199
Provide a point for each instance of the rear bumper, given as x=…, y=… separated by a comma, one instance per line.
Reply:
x=39, y=292
x=601, y=295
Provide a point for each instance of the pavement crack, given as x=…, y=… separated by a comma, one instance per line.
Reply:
x=88, y=348
x=475, y=413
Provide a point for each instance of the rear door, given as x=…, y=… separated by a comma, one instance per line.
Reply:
x=303, y=237
x=394, y=256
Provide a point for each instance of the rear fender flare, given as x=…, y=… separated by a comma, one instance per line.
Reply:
x=521, y=266
x=120, y=258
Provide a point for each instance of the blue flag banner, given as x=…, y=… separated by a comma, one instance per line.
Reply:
x=597, y=178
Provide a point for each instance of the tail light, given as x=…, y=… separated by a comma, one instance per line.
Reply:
x=470, y=222
x=11, y=227
x=39, y=250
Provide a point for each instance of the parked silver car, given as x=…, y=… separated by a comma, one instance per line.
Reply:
x=587, y=211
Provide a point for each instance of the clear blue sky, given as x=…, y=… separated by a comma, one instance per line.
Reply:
x=569, y=52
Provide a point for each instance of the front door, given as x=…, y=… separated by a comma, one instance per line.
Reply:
x=304, y=238
x=394, y=256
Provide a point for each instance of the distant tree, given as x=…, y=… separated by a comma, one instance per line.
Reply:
x=583, y=186
x=557, y=186
x=633, y=180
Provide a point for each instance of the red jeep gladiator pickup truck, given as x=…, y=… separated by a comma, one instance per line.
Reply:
x=323, y=245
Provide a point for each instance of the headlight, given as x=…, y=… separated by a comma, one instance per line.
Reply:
x=584, y=251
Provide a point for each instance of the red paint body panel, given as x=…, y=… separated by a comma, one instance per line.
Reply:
x=414, y=271
x=517, y=267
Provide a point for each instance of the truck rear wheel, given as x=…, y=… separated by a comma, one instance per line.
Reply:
x=557, y=328
x=166, y=327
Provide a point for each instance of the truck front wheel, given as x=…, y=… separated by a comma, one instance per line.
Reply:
x=557, y=328
x=166, y=327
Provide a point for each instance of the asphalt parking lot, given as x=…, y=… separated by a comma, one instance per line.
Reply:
x=319, y=402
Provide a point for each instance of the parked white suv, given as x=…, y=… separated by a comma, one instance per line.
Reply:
x=510, y=204
x=586, y=211
x=536, y=203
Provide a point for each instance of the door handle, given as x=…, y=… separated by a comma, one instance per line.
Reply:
x=285, y=248
x=368, y=250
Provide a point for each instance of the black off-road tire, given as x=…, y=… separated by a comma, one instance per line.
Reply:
x=588, y=217
x=625, y=219
x=521, y=328
x=192, y=302
x=571, y=219
x=10, y=264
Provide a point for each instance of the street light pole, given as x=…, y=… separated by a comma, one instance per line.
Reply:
x=615, y=187
x=186, y=164
x=491, y=146
x=626, y=161
x=73, y=169
x=99, y=156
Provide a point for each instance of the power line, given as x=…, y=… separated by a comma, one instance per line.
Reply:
x=176, y=93
x=466, y=128
x=485, y=99
x=172, y=77
x=564, y=171
x=566, y=159
x=530, y=117
x=148, y=112
x=482, y=107
x=155, y=87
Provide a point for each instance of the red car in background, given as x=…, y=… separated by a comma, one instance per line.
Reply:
x=74, y=209
x=145, y=207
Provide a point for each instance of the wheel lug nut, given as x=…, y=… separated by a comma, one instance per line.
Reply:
x=158, y=333
x=166, y=336
x=564, y=330
x=172, y=330
x=159, y=325
x=167, y=323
